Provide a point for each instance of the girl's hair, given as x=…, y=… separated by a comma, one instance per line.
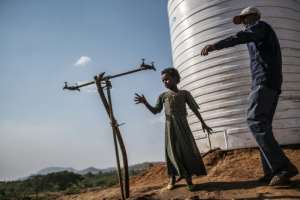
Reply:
x=172, y=72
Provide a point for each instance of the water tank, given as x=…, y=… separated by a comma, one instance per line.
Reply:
x=220, y=82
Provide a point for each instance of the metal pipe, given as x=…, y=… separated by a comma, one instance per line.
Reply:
x=107, y=102
x=209, y=142
x=226, y=138
x=142, y=67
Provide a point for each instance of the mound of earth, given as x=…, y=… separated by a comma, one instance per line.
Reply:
x=231, y=175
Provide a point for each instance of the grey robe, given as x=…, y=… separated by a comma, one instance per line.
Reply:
x=182, y=155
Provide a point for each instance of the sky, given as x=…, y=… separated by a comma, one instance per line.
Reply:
x=45, y=43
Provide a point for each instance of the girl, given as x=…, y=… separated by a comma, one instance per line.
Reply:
x=182, y=156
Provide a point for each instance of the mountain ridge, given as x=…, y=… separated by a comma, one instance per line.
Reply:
x=93, y=170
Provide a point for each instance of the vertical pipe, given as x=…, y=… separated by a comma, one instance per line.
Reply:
x=209, y=142
x=226, y=138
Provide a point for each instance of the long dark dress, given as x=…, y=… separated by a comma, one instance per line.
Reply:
x=182, y=155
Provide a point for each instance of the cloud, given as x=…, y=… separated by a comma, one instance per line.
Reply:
x=83, y=61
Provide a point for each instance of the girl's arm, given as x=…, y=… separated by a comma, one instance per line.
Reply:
x=142, y=99
x=194, y=107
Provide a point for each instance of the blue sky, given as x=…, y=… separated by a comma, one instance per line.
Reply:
x=41, y=41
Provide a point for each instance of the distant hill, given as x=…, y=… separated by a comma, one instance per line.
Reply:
x=93, y=170
x=50, y=170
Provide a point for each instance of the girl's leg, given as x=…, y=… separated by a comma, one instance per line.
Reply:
x=172, y=181
x=189, y=182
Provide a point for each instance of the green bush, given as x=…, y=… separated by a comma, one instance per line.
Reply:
x=74, y=189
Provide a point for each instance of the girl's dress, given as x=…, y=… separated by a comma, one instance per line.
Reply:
x=182, y=155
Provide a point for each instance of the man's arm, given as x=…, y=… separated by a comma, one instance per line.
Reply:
x=254, y=34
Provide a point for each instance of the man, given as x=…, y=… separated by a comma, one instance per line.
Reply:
x=266, y=74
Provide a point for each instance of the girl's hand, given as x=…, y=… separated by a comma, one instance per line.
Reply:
x=206, y=128
x=139, y=99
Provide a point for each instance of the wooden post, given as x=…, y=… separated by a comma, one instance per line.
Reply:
x=118, y=140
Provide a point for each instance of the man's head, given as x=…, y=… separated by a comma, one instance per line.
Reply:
x=248, y=16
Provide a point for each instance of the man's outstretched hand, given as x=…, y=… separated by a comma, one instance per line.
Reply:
x=207, y=49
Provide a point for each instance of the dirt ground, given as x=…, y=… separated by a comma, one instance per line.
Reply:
x=231, y=175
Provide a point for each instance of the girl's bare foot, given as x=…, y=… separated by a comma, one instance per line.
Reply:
x=171, y=183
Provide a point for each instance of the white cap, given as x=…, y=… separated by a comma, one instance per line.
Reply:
x=247, y=11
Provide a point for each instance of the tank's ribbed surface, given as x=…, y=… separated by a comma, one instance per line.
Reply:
x=220, y=82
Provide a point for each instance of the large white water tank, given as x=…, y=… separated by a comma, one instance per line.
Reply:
x=220, y=82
